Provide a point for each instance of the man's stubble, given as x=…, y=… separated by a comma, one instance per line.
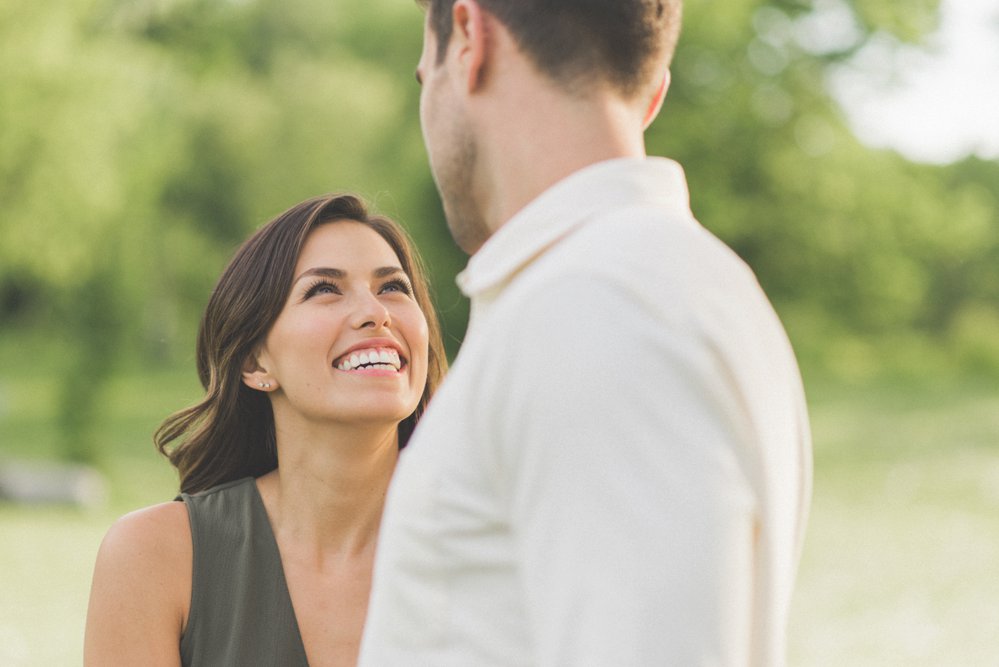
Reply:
x=455, y=165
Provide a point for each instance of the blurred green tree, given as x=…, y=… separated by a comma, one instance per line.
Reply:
x=141, y=140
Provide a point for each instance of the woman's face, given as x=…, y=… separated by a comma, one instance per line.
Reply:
x=350, y=344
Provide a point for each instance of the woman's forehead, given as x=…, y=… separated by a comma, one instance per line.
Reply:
x=346, y=243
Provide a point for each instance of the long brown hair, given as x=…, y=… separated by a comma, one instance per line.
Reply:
x=229, y=434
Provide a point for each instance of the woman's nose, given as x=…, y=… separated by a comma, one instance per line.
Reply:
x=370, y=313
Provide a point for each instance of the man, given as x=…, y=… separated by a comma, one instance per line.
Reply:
x=617, y=470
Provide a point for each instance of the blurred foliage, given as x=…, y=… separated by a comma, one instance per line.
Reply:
x=141, y=140
x=877, y=265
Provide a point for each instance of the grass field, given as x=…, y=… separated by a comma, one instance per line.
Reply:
x=899, y=565
x=902, y=551
x=47, y=553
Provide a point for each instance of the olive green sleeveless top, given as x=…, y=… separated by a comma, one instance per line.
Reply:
x=241, y=613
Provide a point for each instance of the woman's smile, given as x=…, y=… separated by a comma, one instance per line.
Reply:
x=385, y=360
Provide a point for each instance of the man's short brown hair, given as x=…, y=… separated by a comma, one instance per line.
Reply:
x=624, y=42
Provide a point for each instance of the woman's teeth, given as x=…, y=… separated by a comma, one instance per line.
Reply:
x=382, y=358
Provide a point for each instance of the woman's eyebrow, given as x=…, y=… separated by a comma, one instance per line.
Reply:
x=324, y=271
x=329, y=272
x=385, y=271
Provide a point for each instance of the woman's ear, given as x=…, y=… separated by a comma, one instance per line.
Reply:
x=657, y=102
x=256, y=376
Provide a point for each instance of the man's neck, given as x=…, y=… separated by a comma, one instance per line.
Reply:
x=545, y=137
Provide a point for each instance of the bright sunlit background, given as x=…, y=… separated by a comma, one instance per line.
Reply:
x=848, y=150
x=936, y=102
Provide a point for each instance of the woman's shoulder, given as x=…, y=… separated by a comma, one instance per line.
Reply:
x=153, y=544
x=164, y=525
x=140, y=596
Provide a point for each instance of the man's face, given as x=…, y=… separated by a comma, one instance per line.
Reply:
x=450, y=145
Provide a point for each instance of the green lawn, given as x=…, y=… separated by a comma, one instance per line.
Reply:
x=899, y=565
x=47, y=553
x=903, y=545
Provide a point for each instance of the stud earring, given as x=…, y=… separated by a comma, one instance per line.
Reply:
x=264, y=385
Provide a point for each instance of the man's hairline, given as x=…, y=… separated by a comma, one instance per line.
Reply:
x=569, y=86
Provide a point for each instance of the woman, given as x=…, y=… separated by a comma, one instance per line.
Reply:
x=318, y=350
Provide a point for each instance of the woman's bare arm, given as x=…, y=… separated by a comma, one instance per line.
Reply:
x=141, y=592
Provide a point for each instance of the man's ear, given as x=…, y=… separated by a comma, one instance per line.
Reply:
x=256, y=376
x=469, y=39
x=657, y=101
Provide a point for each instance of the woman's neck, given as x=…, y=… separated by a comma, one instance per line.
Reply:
x=327, y=494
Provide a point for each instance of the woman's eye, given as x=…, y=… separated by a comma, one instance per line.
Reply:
x=397, y=286
x=322, y=287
